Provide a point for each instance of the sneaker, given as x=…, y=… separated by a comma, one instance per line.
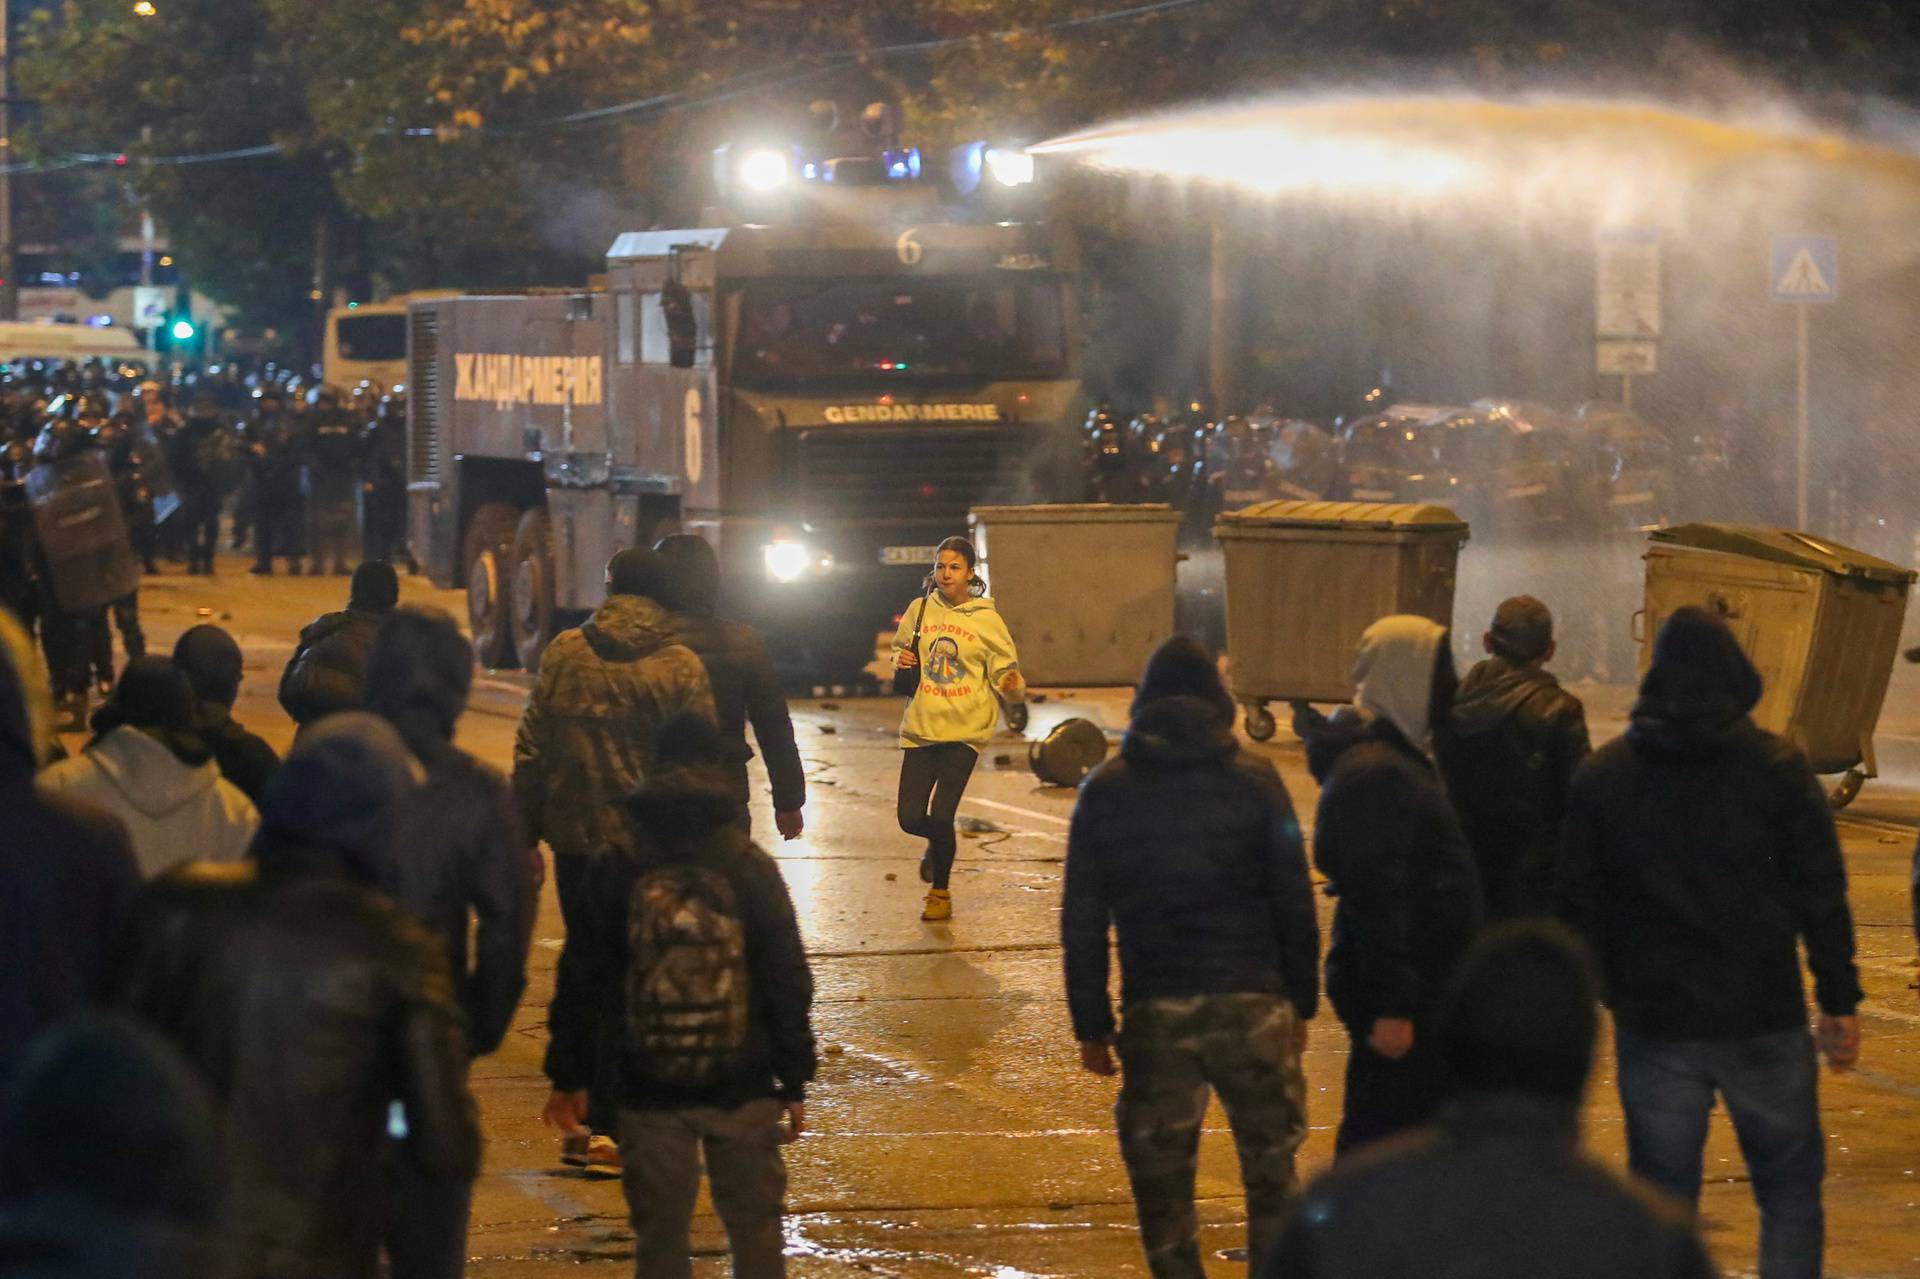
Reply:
x=603, y=1157
x=939, y=905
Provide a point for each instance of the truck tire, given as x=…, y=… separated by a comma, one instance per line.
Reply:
x=488, y=551
x=534, y=619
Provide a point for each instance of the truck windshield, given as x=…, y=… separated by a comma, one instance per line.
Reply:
x=372, y=337
x=897, y=330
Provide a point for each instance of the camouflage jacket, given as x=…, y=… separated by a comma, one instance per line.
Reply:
x=586, y=740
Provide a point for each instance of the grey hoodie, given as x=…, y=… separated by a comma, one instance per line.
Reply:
x=174, y=812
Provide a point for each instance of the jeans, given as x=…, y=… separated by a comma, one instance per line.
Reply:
x=932, y=780
x=570, y=882
x=427, y=1237
x=660, y=1156
x=1770, y=1084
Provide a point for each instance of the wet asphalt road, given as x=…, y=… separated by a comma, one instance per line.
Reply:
x=952, y=1132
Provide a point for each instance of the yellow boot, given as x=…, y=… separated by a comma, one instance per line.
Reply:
x=939, y=905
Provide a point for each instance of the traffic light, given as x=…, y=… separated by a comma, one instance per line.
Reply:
x=183, y=330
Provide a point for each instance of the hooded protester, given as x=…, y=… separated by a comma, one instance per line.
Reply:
x=212, y=663
x=1408, y=899
x=1508, y=755
x=1498, y=1184
x=109, y=1159
x=311, y=1003
x=1190, y=850
x=694, y=965
x=67, y=874
x=745, y=688
x=586, y=743
x=460, y=865
x=147, y=766
x=328, y=669
x=1700, y=857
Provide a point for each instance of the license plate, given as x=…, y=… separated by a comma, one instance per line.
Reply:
x=907, y=554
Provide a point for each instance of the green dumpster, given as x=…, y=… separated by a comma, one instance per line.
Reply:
x=1820, y=620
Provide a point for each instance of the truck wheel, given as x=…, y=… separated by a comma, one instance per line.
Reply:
x=488, y=551
x=534, y=619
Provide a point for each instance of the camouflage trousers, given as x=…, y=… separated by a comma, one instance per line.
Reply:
x=1173, y=1054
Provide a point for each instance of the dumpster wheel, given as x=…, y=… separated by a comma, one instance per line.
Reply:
x=1260, y=724
x=1846, y=789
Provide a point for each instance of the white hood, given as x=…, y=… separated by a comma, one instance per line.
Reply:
x=150, y=779
x=1393, y=671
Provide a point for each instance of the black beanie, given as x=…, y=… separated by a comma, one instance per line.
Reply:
x=1520, y=1015
x=1181, y=668
x=693, y=573
x=637, y=571
x=375, y=586
x=337, y=795
x=211, y=661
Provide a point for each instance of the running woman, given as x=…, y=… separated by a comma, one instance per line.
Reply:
x=967, y=665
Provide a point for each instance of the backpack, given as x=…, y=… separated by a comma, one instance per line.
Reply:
x=687, y=979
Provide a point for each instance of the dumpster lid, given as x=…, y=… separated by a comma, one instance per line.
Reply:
x=1355, y=515
x=1783, y=546
x=1077, y=513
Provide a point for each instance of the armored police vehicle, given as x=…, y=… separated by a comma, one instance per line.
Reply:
x=819, y=386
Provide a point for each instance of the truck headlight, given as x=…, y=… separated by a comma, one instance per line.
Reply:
x=791, y=561
x=764, y=171
x=1010, y=168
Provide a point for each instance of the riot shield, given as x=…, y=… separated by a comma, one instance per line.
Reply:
x=82, y=532
x=155, y=475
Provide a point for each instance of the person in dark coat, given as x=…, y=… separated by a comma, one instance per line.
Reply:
x=1408, y=899
x=212, y=663
x=737, y=1115
x=328, y=670
x=310, y=1002
x=1497, y=1184
x=1190, y=850
x=1508, y=754
x=67, y=874
x=109, y=1159
x=745, y=687
x=1700, y=857
x=461, y=864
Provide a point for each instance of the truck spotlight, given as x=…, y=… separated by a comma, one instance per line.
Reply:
x=764, y=170
x=791, y=561
x=1010, y=168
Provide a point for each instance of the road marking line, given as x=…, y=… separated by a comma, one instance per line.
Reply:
x=1015, y=808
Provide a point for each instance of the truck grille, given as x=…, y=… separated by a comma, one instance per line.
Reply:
x=424, y=422
x=919, y=473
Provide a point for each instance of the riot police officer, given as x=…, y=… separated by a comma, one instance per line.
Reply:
x=200, y=452
x=330, y=480
x=384, y=533
x=273, y=485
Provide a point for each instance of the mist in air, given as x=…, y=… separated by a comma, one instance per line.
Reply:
x=1440, y=248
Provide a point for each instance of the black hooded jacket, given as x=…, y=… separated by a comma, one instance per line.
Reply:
x=746, y=690
x=328, y=669
x=1191, y=852
x=1508, y=752
x=1700, y=851
x=685, y=816
x=67, y=877
x=1394, y=856
x=243, y=756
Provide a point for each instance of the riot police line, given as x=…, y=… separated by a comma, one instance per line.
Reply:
x=105, y=472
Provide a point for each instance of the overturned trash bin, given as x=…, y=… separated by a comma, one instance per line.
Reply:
x=1075, y=626
x=1820, y=621
x=1305, y=579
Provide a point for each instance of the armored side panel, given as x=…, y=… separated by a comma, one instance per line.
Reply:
x=82, y=531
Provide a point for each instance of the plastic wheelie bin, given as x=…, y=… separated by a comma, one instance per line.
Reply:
x=1305, y=579
x=1072, y=626
x=1820, y=620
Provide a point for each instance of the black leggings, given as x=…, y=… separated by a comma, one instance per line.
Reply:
x=932, y=780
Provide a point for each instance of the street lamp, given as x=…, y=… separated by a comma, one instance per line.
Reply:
x=144, y=8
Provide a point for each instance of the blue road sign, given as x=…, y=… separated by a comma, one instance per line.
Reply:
x=1805, y=268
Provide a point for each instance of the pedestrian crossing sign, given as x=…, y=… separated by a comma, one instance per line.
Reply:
x=1805, y=268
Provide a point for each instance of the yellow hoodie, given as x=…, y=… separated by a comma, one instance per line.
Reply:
x=965, y=651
